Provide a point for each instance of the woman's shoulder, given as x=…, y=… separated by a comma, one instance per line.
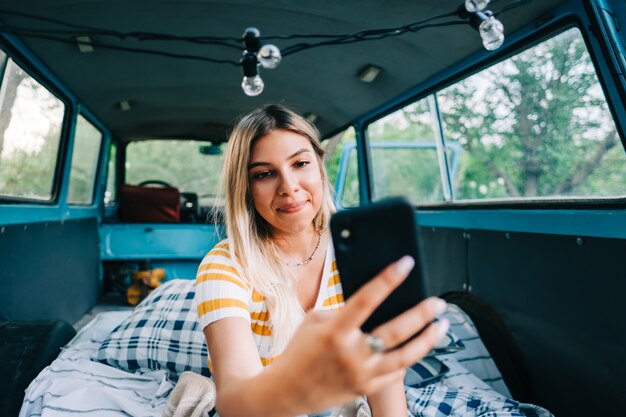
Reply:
x=219, y=254
x=218, y=264
x=223, y=245
x=221, y=249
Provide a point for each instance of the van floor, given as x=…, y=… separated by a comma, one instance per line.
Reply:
x=108, y=302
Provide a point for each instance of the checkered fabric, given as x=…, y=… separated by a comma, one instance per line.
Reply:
x=438, y=400
x=162, y=333
x=425, y=372
x=450, y=343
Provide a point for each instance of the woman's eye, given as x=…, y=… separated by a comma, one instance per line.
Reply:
x=301, y=164
x=261, y=175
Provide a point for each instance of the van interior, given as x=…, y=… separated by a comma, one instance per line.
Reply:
x=114, y=117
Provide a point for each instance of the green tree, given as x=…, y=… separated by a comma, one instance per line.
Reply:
x=30, y=174
x=27, y=167
x=177, y=162
x=543, y=127
x=409, y=171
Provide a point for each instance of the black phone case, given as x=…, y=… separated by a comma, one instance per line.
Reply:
x=366, y=240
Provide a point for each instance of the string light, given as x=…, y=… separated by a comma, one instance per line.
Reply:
x=491, y=30
x=256, y=53
x=268, y=56
x=476, y=5
x=252, y=84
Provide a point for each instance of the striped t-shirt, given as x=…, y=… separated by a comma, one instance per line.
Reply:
x=221, y=292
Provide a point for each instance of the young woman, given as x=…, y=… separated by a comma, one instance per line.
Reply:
x=270, y=293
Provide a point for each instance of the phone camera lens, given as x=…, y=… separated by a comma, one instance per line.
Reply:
x=345, y=233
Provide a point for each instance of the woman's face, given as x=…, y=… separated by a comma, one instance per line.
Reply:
x=285, y=181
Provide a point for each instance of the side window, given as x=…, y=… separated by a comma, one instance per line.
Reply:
x=536, y=125
x=31, y=119
x=342, y=167
x=404, y=155
x=110, y=195
x=87, y=142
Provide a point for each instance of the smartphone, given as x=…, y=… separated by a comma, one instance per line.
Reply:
x=366, y=240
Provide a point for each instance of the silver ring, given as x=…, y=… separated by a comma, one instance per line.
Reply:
x=375, y=343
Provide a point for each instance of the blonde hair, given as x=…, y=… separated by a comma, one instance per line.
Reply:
x=249, y=235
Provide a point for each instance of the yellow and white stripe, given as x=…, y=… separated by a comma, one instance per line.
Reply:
x=221, y=292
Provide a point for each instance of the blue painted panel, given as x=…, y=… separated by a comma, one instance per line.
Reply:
x=32, y=213
x=156, y=241
x=594, y=223
x=177, y=269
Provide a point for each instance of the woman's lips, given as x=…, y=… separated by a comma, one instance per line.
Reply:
x=292, y=208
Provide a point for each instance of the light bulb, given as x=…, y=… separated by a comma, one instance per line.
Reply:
x=475, y=5
x=492, y=33
x=269, y=56
x=252, y=86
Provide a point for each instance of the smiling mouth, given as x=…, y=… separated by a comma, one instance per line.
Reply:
x=292, y=208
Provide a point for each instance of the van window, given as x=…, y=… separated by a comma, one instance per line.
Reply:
x=191, y=166
x=342, y=167
x=110, y=195
x=31, y=119
x=535, y=125
x=87, y=142
x=404, y=156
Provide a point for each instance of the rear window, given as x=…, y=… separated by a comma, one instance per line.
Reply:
x=191, y=166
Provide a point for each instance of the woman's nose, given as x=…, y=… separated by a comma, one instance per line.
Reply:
x=288, y=184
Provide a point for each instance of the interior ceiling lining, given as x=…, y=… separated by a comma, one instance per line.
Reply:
x=179, y=97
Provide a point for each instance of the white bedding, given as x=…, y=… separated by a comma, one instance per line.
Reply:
x=74, y=384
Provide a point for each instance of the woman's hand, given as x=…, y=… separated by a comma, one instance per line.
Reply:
x=329, y=361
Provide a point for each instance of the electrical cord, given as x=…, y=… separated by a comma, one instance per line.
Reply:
x=58, y=35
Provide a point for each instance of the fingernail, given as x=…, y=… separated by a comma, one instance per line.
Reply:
x=438, y=306
x=404, y=265
x=442, y=327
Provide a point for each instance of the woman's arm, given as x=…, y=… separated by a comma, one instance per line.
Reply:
x=237, y=371
x=389, y=401
x=328, y=362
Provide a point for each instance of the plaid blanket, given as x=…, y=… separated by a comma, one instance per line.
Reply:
x=438, y=400
x=472, y=387
x=74, y=383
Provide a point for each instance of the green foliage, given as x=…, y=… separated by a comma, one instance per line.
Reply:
x=28, y=157
x=542, y=128
x=87, y=144
x=177, y=162
x=409, y=171
x=332, y=160
x=535, y=125
x=30, y=174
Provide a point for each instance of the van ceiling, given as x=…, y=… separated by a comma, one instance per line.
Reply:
x=188, y=98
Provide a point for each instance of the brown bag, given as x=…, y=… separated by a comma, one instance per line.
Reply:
x=149, y=204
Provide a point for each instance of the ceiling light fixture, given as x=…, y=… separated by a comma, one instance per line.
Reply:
x=84, y=43
x=124, y=105
x=369, y=73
